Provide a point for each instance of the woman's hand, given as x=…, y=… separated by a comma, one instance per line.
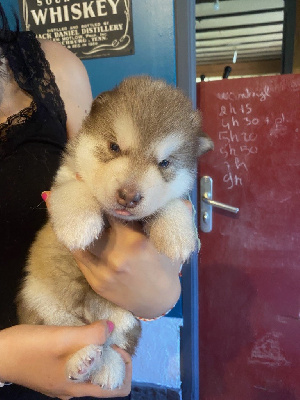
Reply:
x=124, y=267
x=35, y=356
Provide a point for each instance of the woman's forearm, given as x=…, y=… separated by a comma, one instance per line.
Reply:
x=35, y=357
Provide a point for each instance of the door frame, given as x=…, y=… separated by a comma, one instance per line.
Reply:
x=186, y=80
x=289, y=29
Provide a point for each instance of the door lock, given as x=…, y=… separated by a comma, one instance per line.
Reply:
x=206, y=194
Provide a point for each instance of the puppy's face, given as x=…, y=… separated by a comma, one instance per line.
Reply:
x=138, y=148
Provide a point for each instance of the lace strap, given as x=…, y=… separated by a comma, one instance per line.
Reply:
x=32, y=72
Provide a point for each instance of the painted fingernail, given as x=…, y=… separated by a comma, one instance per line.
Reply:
x=44, y=196
x=111, y=326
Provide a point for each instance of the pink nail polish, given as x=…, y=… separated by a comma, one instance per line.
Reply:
x=44, y=196
x=111, y=326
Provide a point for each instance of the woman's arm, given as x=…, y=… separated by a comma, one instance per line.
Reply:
x=35, y=357
x=72, y=80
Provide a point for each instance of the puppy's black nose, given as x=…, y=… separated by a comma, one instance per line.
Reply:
x=128, y=197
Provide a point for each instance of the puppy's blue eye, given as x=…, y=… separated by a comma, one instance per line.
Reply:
x=164, y=163
x=114, y=147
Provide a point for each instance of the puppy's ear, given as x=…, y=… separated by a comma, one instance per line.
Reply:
x=99, y=103
x=205, y=144
x=102, y=97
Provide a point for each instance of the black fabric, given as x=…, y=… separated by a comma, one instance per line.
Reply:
x=31, y=143
x=15, y=392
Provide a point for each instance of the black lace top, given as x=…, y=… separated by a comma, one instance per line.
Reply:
x=31, y=143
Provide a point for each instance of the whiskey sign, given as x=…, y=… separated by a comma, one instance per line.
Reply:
x=92, y=28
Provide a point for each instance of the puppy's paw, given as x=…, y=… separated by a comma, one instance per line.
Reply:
x=81, y=365
x=78, y=231
x=175, y=245
x=112, y=372
x=174, y=233
x=75, y=215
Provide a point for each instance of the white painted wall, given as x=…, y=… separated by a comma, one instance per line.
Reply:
x=158, y=356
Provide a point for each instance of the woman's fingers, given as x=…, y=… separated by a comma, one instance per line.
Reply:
x=86, y=259
x=46, y=196
x=76, y=337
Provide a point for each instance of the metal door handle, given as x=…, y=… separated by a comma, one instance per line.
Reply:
x=206, y=194
x=217, y=204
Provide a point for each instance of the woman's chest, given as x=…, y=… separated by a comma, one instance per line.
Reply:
x=12, y=101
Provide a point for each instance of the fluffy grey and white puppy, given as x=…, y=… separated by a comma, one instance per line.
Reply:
x=136, y=156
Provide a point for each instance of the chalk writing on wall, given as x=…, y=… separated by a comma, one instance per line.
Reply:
x=239, y=125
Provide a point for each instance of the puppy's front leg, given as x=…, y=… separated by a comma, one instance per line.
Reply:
x=76, y=215
x=173, y=231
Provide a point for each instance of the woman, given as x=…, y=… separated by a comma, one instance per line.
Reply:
x=44, y=95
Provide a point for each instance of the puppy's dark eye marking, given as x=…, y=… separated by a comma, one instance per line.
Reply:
x=164, y=163
x=114, y=147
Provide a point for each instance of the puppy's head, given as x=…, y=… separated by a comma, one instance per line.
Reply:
x=138, y=147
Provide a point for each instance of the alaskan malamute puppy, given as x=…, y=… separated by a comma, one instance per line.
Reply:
x=136, y=158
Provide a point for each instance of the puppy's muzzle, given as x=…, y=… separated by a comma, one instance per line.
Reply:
x=128, y=197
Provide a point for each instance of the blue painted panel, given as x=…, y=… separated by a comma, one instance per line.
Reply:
x=154, y=39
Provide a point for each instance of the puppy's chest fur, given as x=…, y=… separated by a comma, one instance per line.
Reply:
x=56, y=292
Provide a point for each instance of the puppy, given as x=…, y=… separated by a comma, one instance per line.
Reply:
x=134, y=159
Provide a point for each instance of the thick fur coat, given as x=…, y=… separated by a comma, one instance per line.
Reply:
x=134, y=159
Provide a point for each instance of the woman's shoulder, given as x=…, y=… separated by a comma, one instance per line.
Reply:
x=55, y=53
x=72, y=80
